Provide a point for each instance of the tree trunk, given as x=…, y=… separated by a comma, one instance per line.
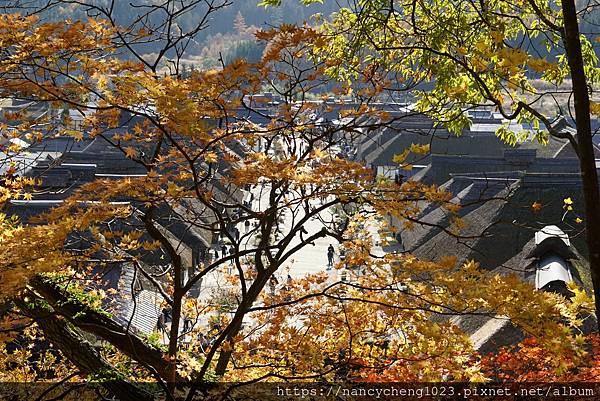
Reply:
x=591, y=193
x=177, y=296
x=101, y=326
x=82, y=354
x=236, y=323
x=172, y=377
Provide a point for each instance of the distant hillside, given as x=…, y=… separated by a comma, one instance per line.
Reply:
x=291, y=11
x=230, y=31
x=221, y=35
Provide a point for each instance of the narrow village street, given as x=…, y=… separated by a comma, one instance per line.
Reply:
x=310, y=259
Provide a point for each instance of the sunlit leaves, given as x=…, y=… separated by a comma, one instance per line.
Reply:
x=568, y=203
x=480, y=55
x=266, y=3
x=199, y=152
x=531, y=361
x=400, y=327
x=415, y=149
x=77, y=135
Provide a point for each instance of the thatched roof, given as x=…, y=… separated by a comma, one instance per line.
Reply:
x=500, y=236
x=381, y=153
x=424, y=175
x=489, y=332
x=499, y=229
x=478, y=224
x=472, y=195
x=556, y=148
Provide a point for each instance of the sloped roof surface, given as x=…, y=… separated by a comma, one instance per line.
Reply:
x=443, y=143
x=470, y=198
x=142, y=312
x=511, y=223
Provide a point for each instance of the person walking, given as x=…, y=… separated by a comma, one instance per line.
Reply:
x=160, y=324
x=187, y=324
x=330, y=253
x=273, y=284
x=203, y=342
x=167, y=313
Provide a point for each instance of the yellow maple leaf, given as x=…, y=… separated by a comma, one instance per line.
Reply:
x=420, y=149
x=594, y=108
x=130, y=152
x=78, y=135
x=497, y=36
x=399, y=158
x=210, y=157
x=568, y=203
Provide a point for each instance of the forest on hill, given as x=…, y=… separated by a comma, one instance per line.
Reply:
x=168, y=235
x=228, y=34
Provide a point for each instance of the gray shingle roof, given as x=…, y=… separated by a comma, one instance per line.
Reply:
x=510, y=222
x=471, y=196
x=142, y=312
x=479, y=223
x=382, y=149
x=503, y=242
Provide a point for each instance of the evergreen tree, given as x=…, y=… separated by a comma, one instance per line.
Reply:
x=239, y=24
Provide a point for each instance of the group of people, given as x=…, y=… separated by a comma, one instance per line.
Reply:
x=214, y=253
x=273, y=283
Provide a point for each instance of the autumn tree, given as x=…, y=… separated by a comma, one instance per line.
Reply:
x=528, y=362
x=257, y=189
x=529, y=60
